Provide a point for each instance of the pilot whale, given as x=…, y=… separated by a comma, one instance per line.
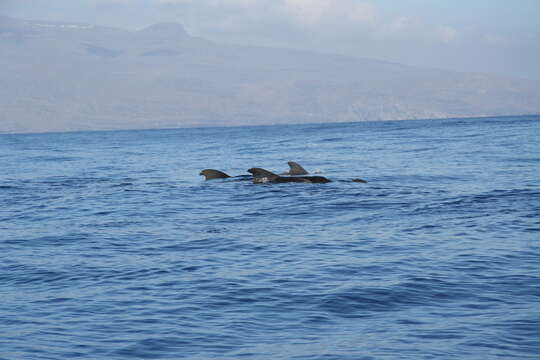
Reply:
x=262, y=176
x=210, y=174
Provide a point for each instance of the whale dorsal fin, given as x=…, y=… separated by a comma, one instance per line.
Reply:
x=210, y=174
x=296, y=169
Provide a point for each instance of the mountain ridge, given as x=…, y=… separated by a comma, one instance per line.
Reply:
x=67, y=76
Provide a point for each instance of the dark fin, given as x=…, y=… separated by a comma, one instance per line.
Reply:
x=359, y=181
x=296, y=169
x=261, y=176
x=210, y=174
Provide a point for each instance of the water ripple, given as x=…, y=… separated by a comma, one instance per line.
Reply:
x=114, y=247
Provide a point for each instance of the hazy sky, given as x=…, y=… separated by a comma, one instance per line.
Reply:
x=499, y=36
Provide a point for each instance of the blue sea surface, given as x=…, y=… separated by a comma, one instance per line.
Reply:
x=113, y=247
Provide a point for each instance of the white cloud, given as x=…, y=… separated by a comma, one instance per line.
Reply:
x=245, y=4
x=447, y=34
x=364, y=12
x=308, y=11
x=111, y=2
x=496, y=39
x=401, y=23
x=314, y=12
x=174, y=2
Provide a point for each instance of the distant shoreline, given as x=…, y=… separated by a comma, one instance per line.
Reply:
x=479, y=117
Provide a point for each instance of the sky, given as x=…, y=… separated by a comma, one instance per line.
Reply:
x=494, y=36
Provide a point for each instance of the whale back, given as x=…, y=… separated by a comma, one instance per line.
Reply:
x=262, y=176
x=302, y=179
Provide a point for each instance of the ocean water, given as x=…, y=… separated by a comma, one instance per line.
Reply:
x=113, y=247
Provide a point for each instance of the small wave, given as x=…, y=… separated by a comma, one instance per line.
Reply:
x=35, y=277
x=49, y=240
x=50, y=158
x=419, y=150
x=334, y=139
x=124, y=184
x=524, y=160
x=360, y=301
x=508, y=197
x=9, y=187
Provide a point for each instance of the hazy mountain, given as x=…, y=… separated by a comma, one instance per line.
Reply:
x=62, y=76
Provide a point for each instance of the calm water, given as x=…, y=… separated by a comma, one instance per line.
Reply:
x=114, y=248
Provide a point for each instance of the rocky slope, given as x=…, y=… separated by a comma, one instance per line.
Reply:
x=61, y=77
